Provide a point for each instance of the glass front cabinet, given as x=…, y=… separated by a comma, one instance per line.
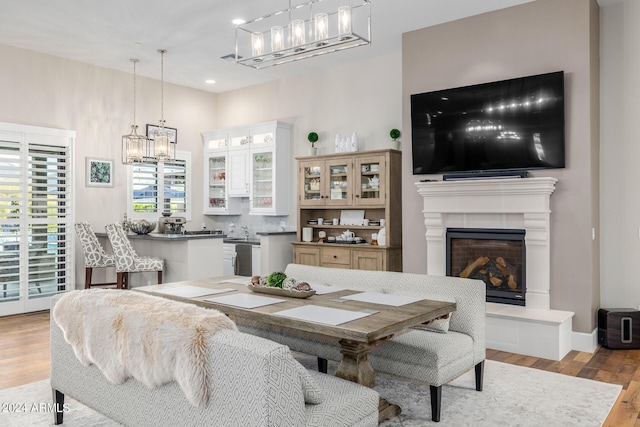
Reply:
x=256, y=166
x=370, y=182
x=326, y=182
x=216, y=171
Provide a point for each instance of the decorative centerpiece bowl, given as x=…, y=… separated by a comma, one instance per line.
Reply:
x=278, y=283
x=142, y=226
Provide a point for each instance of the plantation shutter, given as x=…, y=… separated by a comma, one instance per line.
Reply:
x=36, y=217
x=175, y=187
x=160, y=187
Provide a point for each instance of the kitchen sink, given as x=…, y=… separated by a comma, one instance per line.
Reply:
x=241, y=240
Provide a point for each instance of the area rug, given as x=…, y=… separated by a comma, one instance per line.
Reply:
x=512, y=396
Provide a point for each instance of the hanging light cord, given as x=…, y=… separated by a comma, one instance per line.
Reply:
x=134, y=92
x=162, y=52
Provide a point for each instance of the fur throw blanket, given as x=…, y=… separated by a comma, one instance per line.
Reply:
x=132, y=334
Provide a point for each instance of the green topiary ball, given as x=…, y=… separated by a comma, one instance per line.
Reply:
x=312, y=137
x=394, y=134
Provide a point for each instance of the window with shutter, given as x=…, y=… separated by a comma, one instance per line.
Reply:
x=160, y=187
x=36, y=217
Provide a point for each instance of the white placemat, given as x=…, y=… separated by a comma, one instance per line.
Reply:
x=324, y=289
x=379, y=298
x=191, y=291
x=238, y=281
x=245, y=300
x=325, y=315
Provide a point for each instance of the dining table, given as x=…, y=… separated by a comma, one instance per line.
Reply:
x=357, y=320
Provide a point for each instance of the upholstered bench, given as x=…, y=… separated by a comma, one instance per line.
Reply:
x=250, y=381
x=435, y=354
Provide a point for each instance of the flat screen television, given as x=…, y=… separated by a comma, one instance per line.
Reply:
x=508, y=125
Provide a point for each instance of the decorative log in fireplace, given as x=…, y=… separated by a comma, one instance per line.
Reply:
x=496, y=257
x=495, y=271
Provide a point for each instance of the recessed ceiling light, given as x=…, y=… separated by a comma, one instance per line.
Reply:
x=210, y=81
x=238, y=21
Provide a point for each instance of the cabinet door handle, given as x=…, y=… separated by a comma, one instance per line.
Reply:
x=357, y=195
x=335, y=256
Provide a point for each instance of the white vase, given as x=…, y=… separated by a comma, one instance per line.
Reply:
x=313, y=151
x=395, y=144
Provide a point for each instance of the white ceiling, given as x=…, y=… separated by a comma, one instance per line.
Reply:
x=196, y=33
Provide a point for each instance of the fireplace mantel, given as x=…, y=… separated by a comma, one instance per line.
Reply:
x=509, y=203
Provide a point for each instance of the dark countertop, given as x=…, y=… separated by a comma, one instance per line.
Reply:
x=169, y=237
x=238, y=241
x=274, y=233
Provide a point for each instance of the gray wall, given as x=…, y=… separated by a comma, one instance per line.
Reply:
x=538, y=37
x=97, y=103
x=620, y=154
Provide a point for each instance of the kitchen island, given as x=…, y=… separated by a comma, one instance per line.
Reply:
x=186, y=256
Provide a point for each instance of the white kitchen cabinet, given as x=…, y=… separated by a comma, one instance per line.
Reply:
x=258, y=158
x=239, y=143
x=270, y=169
x=216, y=170
x=239, y=173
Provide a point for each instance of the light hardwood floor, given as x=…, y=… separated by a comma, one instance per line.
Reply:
x=24, y=358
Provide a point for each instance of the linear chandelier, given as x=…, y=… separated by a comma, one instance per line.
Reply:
x=314, y=28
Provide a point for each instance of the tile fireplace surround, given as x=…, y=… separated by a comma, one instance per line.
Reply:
x=509, y=203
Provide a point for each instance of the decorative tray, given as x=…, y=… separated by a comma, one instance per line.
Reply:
x=280, y=292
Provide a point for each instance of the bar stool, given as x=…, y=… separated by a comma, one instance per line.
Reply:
x=127, y=260
x=94, y=254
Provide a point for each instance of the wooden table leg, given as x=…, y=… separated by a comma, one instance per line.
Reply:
x=355, y=364
x=355, y=367
x=387, y=410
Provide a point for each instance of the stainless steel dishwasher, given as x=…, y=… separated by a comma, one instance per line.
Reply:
x=243, y=259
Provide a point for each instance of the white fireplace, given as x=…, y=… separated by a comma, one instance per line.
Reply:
x=509, y=203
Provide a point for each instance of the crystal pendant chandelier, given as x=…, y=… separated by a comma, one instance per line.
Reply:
x=134, y=146
x=301, y=31
x=162, y=147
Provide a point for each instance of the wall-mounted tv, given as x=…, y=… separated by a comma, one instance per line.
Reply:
x=515, y=124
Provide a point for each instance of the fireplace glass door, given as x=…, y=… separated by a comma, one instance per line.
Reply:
x=494, y=256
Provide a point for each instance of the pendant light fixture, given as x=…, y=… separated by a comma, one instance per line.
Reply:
x=134, y=146
x=160, y=140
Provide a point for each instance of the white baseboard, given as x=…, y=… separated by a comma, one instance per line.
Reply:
x=581, y=341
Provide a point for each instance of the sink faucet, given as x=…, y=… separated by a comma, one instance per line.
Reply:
x=245, y=229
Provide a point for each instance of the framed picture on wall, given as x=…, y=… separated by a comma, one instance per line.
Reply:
x=173, y=133
x=99, y=172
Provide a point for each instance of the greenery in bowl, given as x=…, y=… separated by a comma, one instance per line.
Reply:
x=275, y=279
x=394, y=134
x=313, y=138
